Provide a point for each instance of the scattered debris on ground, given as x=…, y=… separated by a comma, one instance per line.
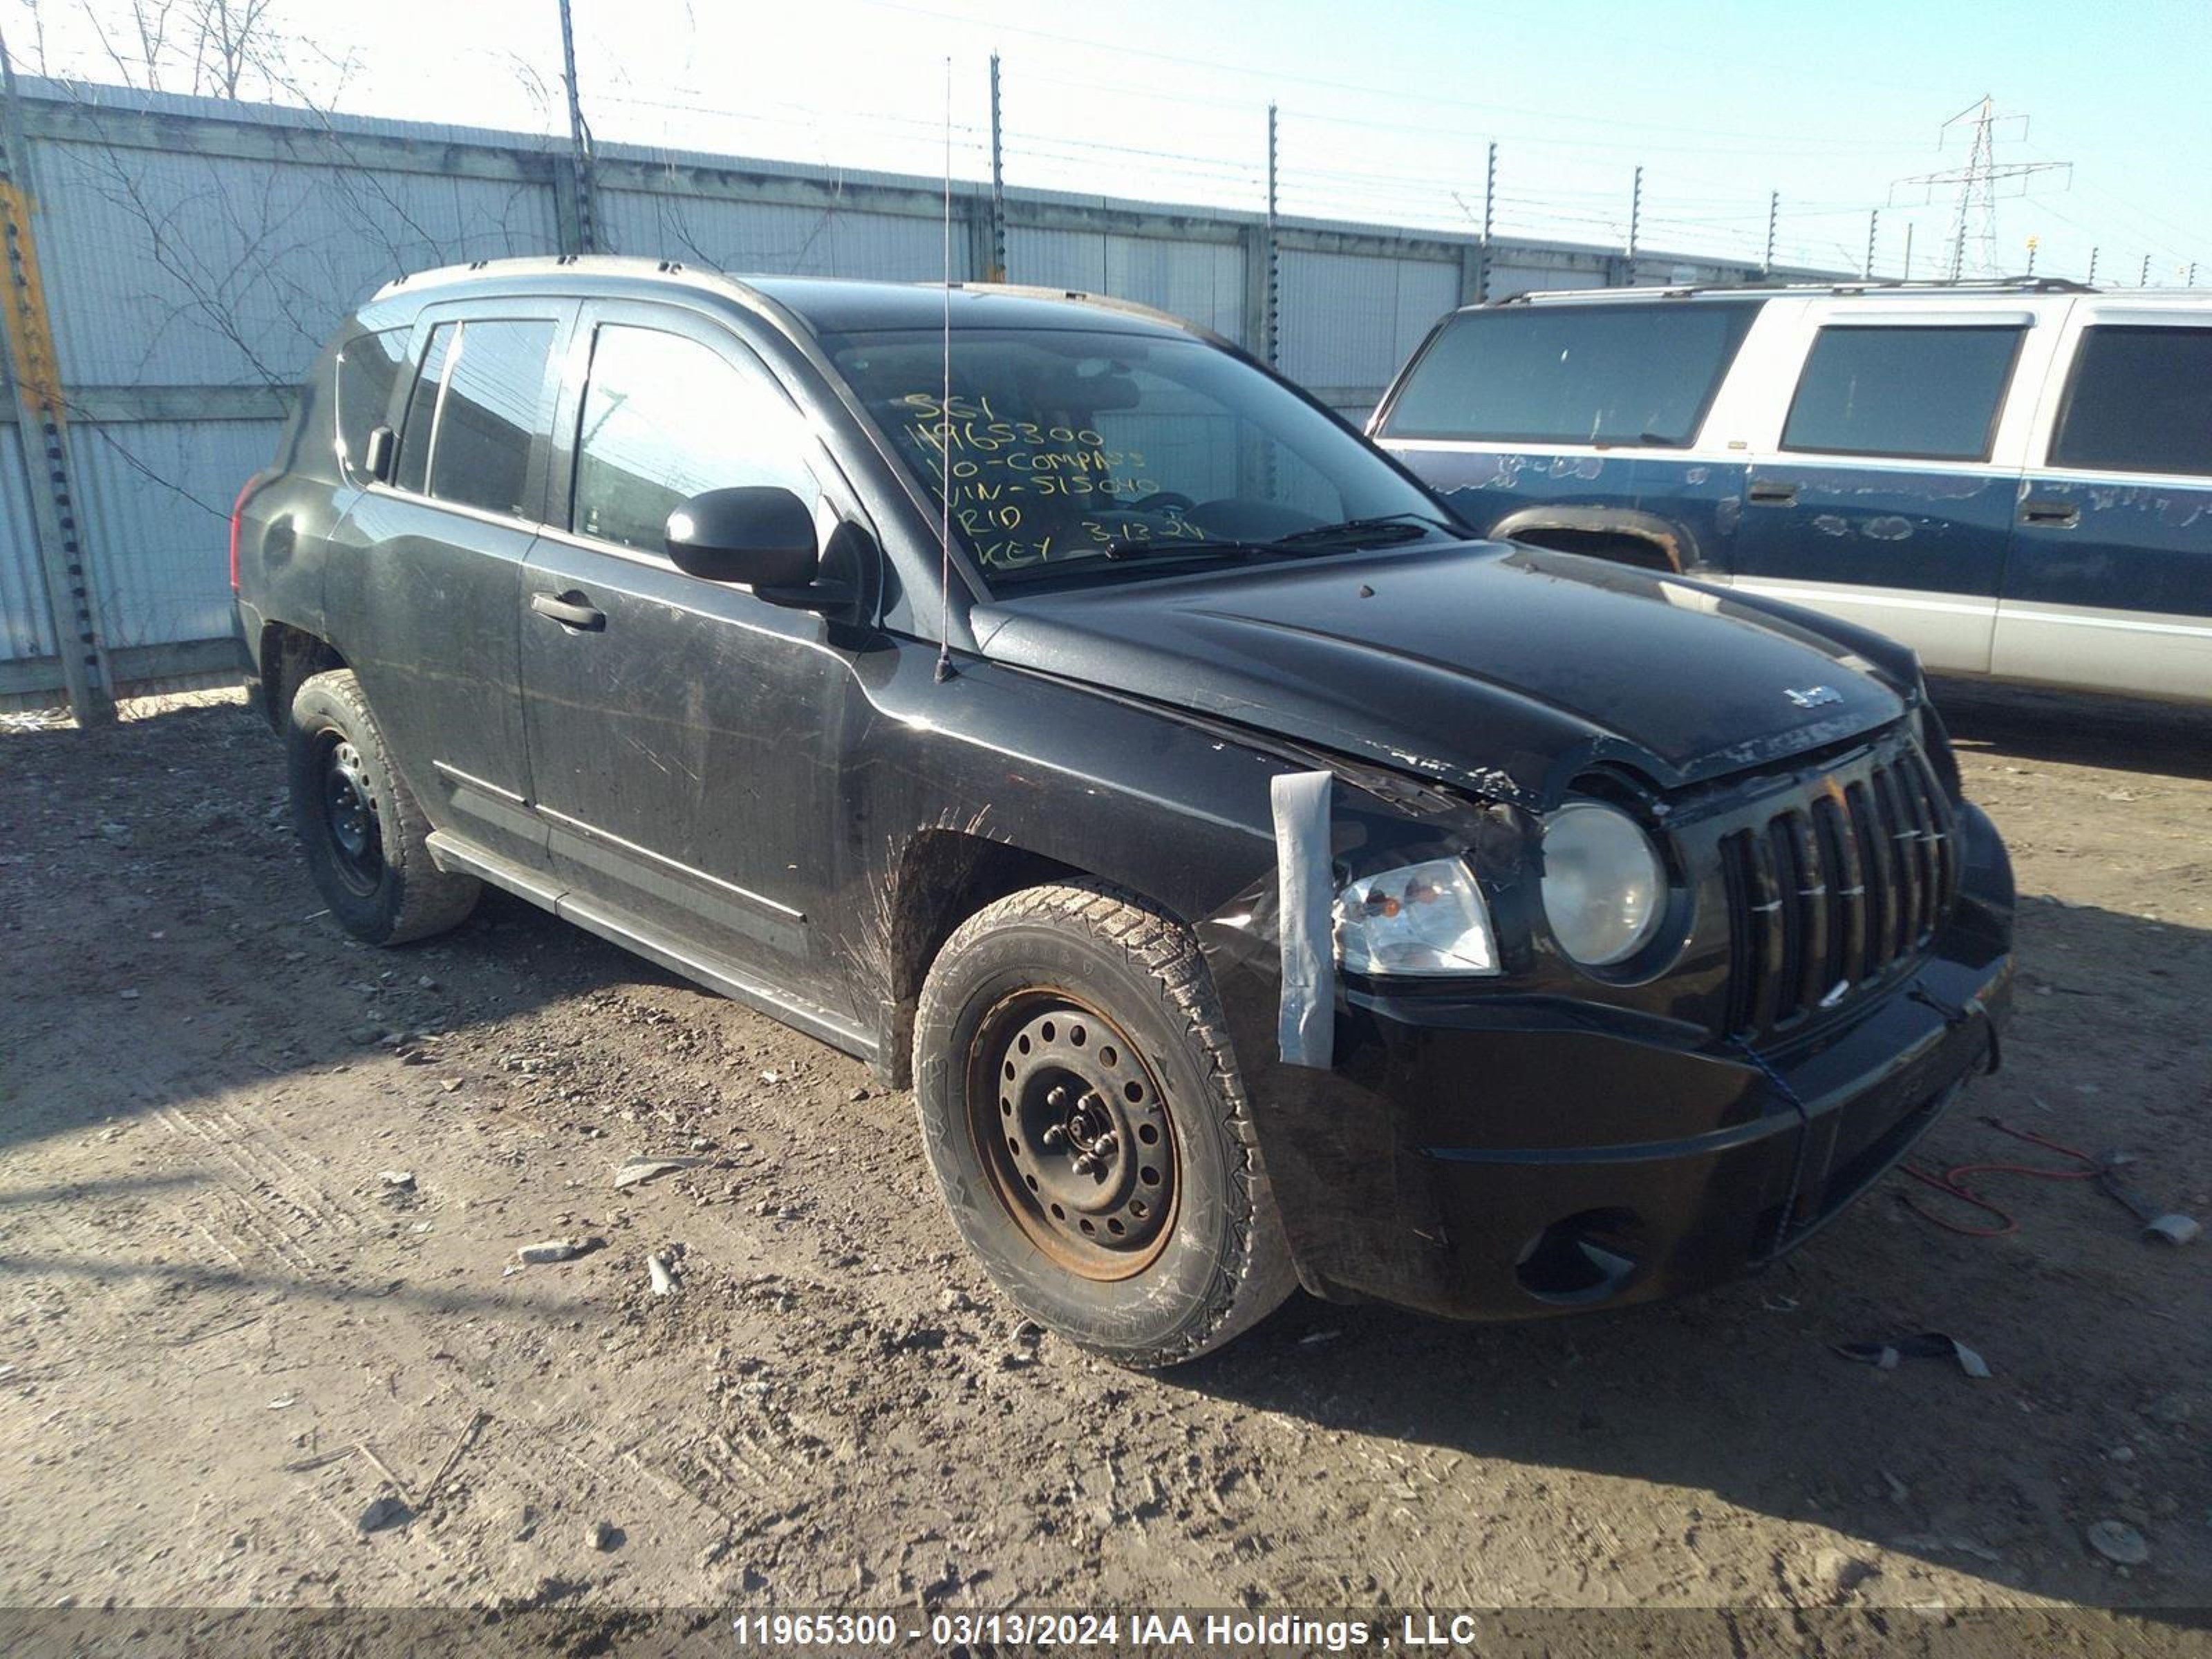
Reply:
x=835, y=1409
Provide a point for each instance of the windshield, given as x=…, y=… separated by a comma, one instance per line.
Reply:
x=1071, y=453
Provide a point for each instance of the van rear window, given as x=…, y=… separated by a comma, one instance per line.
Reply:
x=2140, y=401
x=1638, y=374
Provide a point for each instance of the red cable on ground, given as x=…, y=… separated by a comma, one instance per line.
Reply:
x=1951, y=1185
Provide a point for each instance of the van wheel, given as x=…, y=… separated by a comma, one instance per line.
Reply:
x=366, y=840
x=1088, y=1130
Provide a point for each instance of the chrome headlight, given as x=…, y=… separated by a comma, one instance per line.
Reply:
x=1421, y=919
x=1604, y=885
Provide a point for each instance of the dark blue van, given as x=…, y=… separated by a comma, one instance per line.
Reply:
x=2014, y=478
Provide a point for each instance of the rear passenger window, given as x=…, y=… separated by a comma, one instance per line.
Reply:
x=368, y=368
x=1572, y=373
x=2140, y=401
x=1926, y=394
x=474, y=414
x=666, y=418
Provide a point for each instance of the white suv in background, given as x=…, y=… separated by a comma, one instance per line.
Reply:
x=2014, y=478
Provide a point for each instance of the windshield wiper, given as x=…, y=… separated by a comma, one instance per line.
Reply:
x=1133, y=547
x=1388, y=527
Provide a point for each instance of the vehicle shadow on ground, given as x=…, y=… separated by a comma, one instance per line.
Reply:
x=2025, y=723
x=171, y=1046
x=1739, y=1392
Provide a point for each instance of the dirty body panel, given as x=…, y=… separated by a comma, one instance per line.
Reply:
x=796, y=798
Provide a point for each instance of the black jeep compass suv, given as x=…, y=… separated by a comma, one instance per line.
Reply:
x=1259, y=880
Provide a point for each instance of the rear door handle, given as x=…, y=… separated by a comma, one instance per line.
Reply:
x=1769, y=494
x=2059, y=515
x=570, y=609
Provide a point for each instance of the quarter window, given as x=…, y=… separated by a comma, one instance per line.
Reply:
x=1642, y=374
x=2140, y=401
x=368, y=369
x=1915, y=394
x=664, y=418
x=474, y=415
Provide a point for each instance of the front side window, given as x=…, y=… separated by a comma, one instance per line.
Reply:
x=474, y=415
x=368, y=371
x=1642, y=374
x=1914, y=393
x=1061, y=450
x=2140, y=401
x=666, y=418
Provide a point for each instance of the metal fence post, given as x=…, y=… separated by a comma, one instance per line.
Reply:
x=35, y=379
x=586, y=194
x=997, y=267
x=1271, y=335
x=1635, y=224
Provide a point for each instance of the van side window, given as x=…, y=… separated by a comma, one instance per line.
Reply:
x=1572, y=373
x=664, y=418
x=475, y=413
x=368, y=369
x=2140, y=400
x=1928, y=394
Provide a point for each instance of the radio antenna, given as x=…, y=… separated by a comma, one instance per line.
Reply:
x=945, y=419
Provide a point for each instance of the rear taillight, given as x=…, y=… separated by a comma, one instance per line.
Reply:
x=237, y=509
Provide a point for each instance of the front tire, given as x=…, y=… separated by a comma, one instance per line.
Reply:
x=364, y=835
x=1088, y=1129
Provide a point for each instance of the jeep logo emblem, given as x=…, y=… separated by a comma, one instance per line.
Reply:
x=1812, y=697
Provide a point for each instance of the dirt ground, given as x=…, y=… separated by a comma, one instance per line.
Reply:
x=226, y=1331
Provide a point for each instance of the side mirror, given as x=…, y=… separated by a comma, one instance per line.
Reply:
x=759, y=535
x=376, y=453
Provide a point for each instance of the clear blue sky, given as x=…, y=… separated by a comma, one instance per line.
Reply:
x=1386, y=109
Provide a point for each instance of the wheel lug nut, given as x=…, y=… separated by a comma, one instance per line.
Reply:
x=1055, y=1135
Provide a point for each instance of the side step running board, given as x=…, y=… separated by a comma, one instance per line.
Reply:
x=632, y=935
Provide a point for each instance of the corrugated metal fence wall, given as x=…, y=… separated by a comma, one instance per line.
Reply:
x=195, y=254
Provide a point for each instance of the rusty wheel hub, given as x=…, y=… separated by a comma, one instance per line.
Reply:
x=1072, y=1129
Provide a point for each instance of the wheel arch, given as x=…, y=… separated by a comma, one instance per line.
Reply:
x=1625, y=535
x=942, y=877
x=287, y=656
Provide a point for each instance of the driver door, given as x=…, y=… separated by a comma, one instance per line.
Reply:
x=685, y=734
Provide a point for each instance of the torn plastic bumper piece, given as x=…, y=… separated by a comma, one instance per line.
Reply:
x=1493, y=1156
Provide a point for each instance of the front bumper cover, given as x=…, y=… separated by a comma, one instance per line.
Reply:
x=1492, y=1157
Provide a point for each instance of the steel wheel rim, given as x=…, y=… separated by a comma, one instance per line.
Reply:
x=350, y=823
x=1071, y=1126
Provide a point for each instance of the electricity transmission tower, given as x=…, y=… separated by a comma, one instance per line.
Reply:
x=1978, y=184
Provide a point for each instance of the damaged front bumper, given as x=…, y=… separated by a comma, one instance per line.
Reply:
x=1493, y=1158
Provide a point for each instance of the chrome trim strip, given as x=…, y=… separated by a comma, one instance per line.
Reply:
x=453, y=774
x=1818, y=593
x=2094, y=619
x=688, y=872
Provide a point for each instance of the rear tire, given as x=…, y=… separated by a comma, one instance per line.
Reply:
x=1088, y=1128
x=365, y=838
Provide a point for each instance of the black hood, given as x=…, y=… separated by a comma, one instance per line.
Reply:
x=1505, y=670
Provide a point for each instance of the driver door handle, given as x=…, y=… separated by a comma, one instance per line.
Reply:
x=570, y=609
